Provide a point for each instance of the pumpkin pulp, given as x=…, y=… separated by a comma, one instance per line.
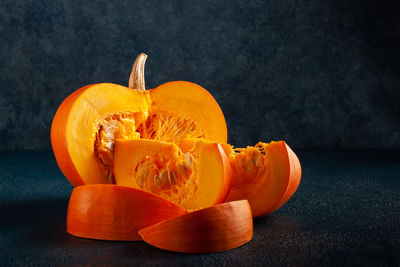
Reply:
x=193, y=179
x=159, y=126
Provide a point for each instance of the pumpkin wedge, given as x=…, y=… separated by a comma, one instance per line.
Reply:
x=195, y=179
x=267, y=175
x=217, y=228
x=111, y=212
x=87, y=123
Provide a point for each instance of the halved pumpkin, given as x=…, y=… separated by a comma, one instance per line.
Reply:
x=90, y=119
x=111, y=212
x=193, y=179
x=267, y=175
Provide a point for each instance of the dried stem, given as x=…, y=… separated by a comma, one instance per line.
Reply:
x=136, y=80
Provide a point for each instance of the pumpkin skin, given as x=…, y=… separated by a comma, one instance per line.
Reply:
x=217, y=228
x=267, y=175
x=193, y=179
x=78, y=119
x=111, y=212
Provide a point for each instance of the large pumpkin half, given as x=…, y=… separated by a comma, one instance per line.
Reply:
x=89, y=121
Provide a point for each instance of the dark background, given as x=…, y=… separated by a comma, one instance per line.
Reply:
x=318, y=74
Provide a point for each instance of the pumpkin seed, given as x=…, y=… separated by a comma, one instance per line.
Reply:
x=188, y=159
x=156, y=180
x=171, y=177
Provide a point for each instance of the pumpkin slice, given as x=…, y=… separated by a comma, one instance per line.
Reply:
x=267, y=175
x=217, y=228
x=90, y=119
x=196, y=179
x=111, y=212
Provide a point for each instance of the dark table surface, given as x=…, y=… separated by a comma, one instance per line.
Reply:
x=345, y=212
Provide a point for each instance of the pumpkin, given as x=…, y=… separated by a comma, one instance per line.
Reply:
x=217, y=228
x=267, y=175
x=194, y=179
x=89, y=120
x=111, y=212
x=166, y=151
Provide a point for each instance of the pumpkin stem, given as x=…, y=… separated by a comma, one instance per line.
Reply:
x=136, y=79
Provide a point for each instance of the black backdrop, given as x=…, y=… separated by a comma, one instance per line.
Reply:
x=318, y=74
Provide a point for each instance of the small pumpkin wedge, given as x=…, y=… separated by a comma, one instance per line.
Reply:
x=267, y=175
x=111, y=212
x=217, y=228
x=90, y=119
x=193, y=179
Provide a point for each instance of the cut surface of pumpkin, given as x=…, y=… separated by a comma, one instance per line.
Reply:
x=193, y=179
x=87, y=123
x=111, y=212
x=217, y=228
x=267, y=175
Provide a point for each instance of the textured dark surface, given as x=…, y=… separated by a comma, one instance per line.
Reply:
x=313, y=73
x=345, y=212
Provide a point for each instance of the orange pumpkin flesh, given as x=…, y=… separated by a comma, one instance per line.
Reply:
x=193, y=179
x=217, y=228
x=90, y=119
x=112, y=212
x=267, y=175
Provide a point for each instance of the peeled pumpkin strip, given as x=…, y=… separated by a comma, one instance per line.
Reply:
x=193, y=179
x=111, y=212
x=267, y=175
x=217, y=228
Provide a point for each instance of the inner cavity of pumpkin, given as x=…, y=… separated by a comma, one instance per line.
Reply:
x=172, y=178
x=160, y=126
x=248, y=164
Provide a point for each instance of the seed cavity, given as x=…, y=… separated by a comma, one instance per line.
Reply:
x=168, y=127
x=168, y=175
x=162, y=126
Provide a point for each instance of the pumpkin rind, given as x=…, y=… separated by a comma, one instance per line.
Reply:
x=217, y=228
x=111, y=212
